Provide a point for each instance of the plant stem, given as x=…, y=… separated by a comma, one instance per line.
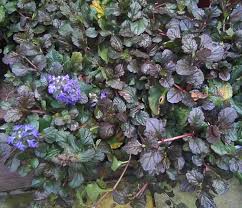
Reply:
x=116, y=184
x=141, y=191
x=26, y=59
x=175, y=138
x=122, y=175
x=94, y=128
x=38, y=111
x=179, y=88
x=161, y=32
x=35, y=67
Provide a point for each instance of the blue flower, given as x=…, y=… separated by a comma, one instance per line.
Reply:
x=24, y=136
x=32, y=143
x=19, y=145
x=65, y=90
x=10, y=140
x=103, y=95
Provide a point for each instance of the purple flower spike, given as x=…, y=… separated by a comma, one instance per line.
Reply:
x=10, y=140
x=19, y=145
x=32, y=143
x=103, y=95
x=64, y=89
x=24, y=136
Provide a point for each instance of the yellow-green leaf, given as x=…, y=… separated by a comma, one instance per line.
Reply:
x=226, y=91
x=156, y=98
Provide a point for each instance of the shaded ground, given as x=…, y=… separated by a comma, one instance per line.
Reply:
x=10, y=181
x=232, y=199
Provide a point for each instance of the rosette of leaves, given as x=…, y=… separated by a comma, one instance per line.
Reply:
x=171, y=74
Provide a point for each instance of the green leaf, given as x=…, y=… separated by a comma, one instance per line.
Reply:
x=236, y=103
x=91, y=32
x=76, y=60
x=103, y=53
x=51, y=135
x=2, y=14
x=54, y=56
x=14, y=164
x=11, y=7
x=221, y=149
x=196, y=118
x=76, y=181
x=56, y=104
x=65, y=30
x=225, y=91
x=33, y=120
x=156, y=98
x=87, y=155
x=13, y=115
x=24, y=170
x=116, y=163
x=93, y=191
x=37, y=182
x=86, y=137
x=34, y=163
x=119, y=104
x=44, y=122
x=52, y=187
x=236, y=73
x=139, y=26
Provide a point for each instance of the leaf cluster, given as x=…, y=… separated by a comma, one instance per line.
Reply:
x=163, y=83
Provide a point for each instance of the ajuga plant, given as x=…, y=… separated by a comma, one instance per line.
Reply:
x=150, y=88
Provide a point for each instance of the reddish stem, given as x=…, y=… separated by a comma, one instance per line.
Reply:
x=141, y=191
x=38, y=111
x=179, y=88
x=175, y=138
x=161, y=32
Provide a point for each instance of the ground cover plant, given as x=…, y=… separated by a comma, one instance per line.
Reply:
x=147, y=89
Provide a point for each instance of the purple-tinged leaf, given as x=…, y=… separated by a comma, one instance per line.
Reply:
x=198, y=146
x=203, y=54
x=226, y=118
x=206, y=201
x=185, y=186
x=213, y=134
x=196, y=79
x=174, y=95
x=194, y=177
x=133, y=147
x=220, y=186
x=154, y=128
x=150, y=159
x=196, y=117
x=173, y=33
x=183, y=67
x=189, y=45
x=116, y=43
